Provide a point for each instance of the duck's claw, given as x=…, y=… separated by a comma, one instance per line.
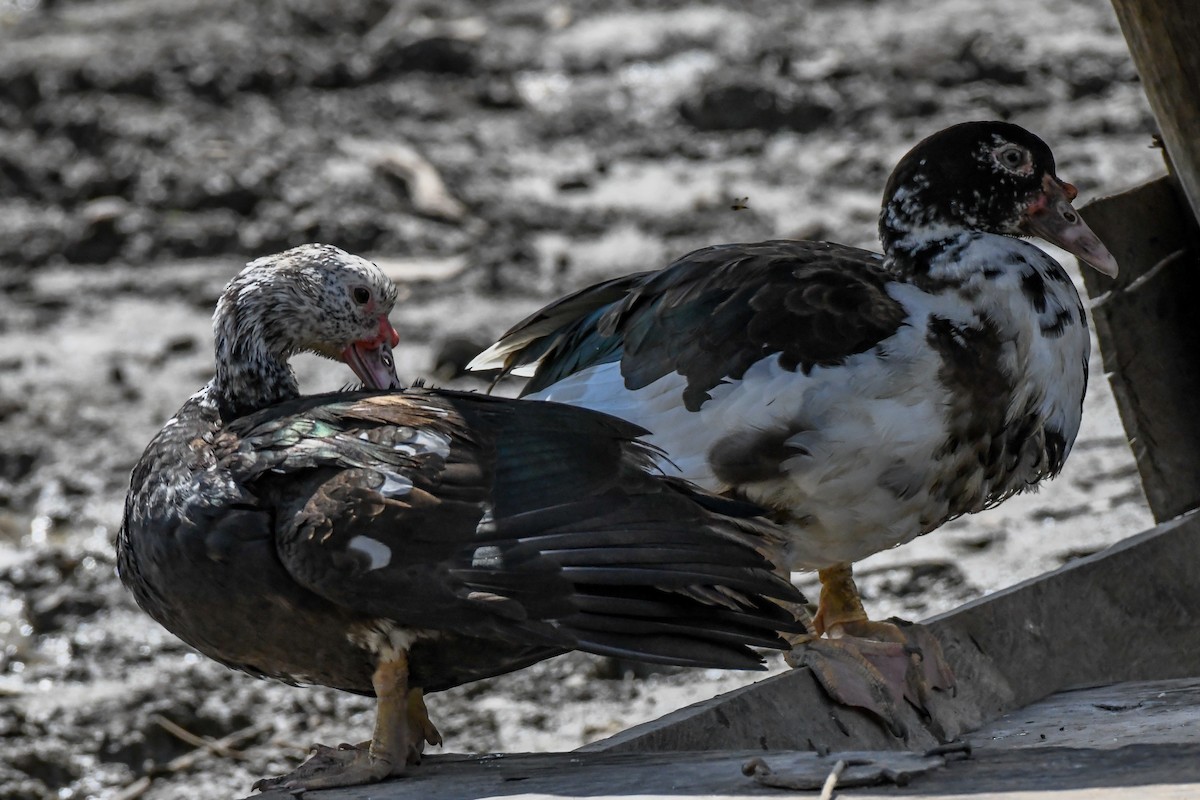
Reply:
x=851, y=678
x=402, y=728
x=876, y=666
x=421, y=730
x=327, y=767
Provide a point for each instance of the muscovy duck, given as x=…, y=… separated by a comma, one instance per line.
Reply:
x=393, y=543
x=866, y=399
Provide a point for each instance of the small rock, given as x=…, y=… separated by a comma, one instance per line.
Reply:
x=437, y=54
x=744, y=106
x=16, y=464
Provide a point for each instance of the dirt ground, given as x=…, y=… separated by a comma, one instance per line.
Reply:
x=490, y=156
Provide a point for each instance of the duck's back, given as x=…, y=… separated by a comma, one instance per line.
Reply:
x=867, y=406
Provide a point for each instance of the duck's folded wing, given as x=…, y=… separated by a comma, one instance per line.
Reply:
x=511, y=520
x=520, y=349
x=712, y=314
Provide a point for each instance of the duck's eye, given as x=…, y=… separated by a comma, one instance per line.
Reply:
x=361, y=295
x=1010, y=156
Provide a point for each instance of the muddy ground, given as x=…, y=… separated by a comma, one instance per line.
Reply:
x=491, y=156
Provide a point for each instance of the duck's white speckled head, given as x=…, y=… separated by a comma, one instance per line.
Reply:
x=313, y=298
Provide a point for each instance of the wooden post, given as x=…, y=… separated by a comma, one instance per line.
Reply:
x=1149, y=337
x=1164, y=38
x=1147, y=330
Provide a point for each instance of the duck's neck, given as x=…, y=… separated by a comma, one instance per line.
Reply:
x=916, y=242
x=919, y=252
x=252, y=372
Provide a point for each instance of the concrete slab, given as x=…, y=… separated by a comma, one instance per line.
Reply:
x=1131, y=612
x=1135, y=739
x=1102, y=718
x=1127, y=614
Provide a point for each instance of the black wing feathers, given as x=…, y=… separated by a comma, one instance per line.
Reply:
x=555, y=328
x=511, y=520
x=712, y=314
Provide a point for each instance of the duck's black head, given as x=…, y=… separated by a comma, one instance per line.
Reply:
x=992, y=177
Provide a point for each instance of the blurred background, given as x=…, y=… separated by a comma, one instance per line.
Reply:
x=490, y=156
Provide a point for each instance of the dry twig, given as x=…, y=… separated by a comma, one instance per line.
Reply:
x=187, y=760
x=1141, y=280
x=831, y=781
x=179, y=732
